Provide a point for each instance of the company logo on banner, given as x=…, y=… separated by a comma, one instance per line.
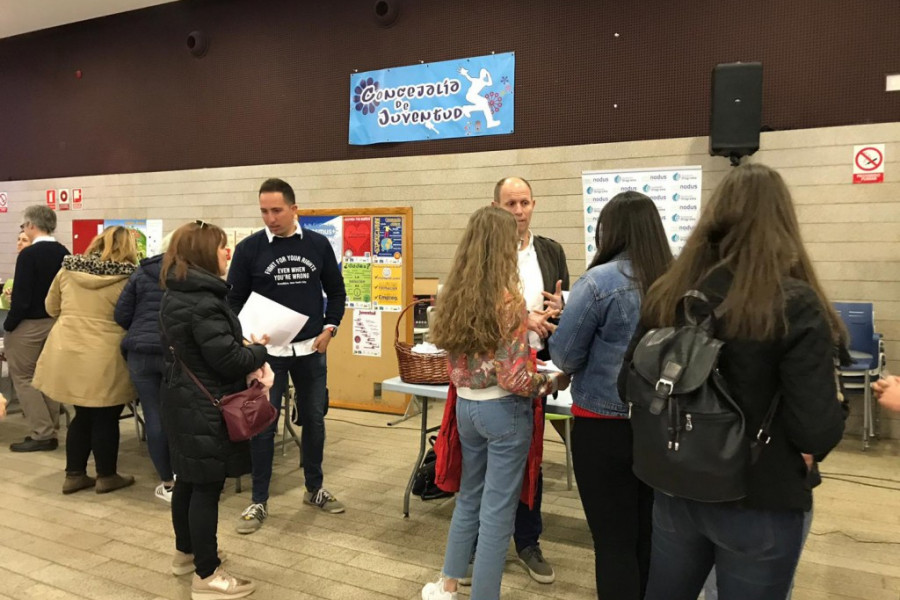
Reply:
x=449, y=99
x=675, y=191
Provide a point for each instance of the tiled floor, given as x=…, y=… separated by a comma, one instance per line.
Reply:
x=118, y=546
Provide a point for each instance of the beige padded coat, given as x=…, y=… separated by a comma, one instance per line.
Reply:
x=82, y=362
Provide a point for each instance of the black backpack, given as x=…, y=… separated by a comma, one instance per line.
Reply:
x=423, y=483
x=690, y=435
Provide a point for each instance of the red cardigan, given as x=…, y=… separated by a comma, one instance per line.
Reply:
x=448, y=469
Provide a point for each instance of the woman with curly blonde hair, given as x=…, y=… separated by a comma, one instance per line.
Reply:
x=481, y=321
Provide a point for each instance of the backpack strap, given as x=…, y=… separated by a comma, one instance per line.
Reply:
x=686, y=311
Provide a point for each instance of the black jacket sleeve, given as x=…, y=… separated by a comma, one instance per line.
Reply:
x=333, y=285
x=239, y=277
x=125, y=306
x=812, y=415
x=221, y=350
x=23, y=290
x=563, y=268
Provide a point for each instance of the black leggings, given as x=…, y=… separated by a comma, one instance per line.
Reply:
x=618, y=507
x=195, y=518
x=94, y=429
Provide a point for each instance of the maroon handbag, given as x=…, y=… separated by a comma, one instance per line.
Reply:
x=246, y=413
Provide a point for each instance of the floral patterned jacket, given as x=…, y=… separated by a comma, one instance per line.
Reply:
x=511, y=367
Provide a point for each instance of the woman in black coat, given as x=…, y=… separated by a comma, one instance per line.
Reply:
x=202, y=334
x=746, y=255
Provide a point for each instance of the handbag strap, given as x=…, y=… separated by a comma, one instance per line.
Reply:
x=763, y=436
x=185, y=367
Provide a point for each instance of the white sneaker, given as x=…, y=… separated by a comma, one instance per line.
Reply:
x=220, y=586
x=436, y=591
x=163, y=493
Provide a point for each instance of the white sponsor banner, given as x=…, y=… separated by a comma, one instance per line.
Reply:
x=674, y=190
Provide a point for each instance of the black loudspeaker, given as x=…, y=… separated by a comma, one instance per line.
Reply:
x=197, y=43
x=386, y=12
x=736, y=112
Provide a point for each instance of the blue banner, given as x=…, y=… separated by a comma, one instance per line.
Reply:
x=449, y=99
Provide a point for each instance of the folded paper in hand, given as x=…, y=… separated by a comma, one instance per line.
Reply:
x=262, y=316
x=548, y=367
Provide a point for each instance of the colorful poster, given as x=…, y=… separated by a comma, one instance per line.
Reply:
x=138, y=228
x=366, y=333
x=387, y=285
x=387, y=240
x=154, y=236
x=331, y=228
x=449, y=99
x=358, y=283
x=674, y=190
x=357, y=239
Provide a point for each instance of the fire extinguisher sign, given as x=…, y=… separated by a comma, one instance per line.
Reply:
x=51, y=199
x=64, y=199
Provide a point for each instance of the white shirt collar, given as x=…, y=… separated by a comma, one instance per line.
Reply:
x=530, y=245
x=298, y=231
x=43, y=238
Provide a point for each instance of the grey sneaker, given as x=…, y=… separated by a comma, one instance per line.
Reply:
x=252, y=518
x=324, y=500
x=537, y=566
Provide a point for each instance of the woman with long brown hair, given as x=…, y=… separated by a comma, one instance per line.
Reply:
x=481, y=321
x=600, y=318
x=81, y=363
x=779, y=331
x=202, y=334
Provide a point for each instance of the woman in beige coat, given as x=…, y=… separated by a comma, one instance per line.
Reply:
x=82, y=363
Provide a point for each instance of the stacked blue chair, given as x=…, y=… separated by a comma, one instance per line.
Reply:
x=867, y=352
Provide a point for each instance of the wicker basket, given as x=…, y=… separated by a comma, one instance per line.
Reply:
x=419, y=368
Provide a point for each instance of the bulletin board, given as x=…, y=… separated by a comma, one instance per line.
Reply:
x=374, y=248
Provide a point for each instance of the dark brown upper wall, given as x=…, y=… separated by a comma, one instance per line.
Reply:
x=274, y=86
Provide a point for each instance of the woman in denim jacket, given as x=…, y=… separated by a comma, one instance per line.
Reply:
x=593, y=334
x=481, y=321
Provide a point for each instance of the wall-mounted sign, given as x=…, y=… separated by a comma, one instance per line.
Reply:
x=76, y=199
x=674, y=190
x=449, y=99
x=64, y=199
x=51, y=199
x=868, y=163
x=4, y=202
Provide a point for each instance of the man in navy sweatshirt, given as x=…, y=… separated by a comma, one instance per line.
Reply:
x=293, y=267
x=28, y=325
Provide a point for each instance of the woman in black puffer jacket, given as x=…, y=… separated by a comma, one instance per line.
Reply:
x=206, y=336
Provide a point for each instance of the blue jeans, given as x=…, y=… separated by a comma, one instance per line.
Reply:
x=710, y=588
x=495, y=436
x=146, y=372
x=755, y=551
x=309, y=374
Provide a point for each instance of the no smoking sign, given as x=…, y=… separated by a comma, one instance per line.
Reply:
x=868, y=163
